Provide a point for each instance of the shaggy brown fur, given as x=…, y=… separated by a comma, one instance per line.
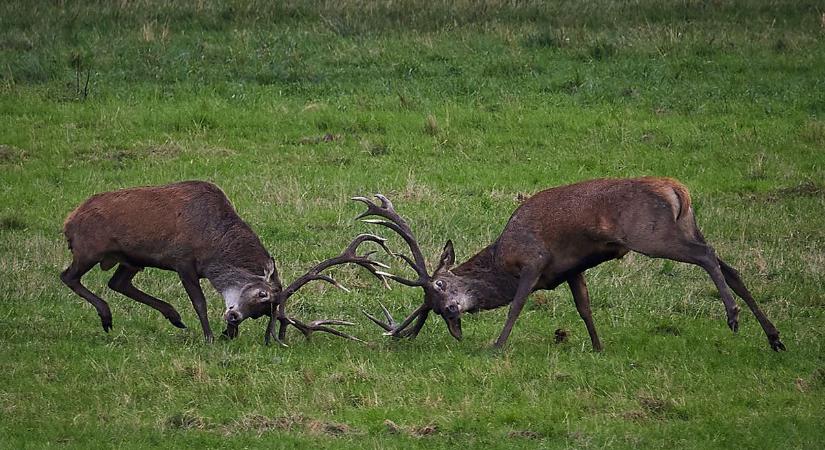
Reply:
x=190, y=228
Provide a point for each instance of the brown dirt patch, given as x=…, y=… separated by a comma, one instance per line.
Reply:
x=261, y=424
x=414, y=431
x=11, y=155
x=524, y=434
x=328, y=428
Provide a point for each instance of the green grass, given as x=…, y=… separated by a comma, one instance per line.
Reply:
x=453, y=109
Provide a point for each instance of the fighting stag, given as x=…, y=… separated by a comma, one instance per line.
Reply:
x=190, y=228
x=554, y=237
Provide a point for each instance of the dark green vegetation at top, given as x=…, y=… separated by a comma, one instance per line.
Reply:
x=455, y=110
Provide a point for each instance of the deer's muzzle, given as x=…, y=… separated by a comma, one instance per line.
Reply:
x=233, y=316
x=454, y=325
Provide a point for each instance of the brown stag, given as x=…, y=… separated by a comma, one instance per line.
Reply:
x=190, y=228
x=553, y=237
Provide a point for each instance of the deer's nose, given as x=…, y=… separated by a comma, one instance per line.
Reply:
x=232, y=315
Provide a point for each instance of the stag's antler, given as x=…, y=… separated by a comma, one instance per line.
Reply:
x=395, y=329
x=349, y=255
x=396, y=223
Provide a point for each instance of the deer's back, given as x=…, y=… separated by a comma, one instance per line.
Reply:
x=587, y=221
x=156, y=221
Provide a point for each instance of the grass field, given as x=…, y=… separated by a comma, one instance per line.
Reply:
x=453, y=109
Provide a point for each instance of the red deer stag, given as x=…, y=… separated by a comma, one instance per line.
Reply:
x=190, y=228
x=554, y=237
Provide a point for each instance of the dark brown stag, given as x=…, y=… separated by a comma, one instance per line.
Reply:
x=190, y=228
x=553, y=238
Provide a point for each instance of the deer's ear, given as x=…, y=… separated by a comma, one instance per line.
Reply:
x=273, y=277
x=269, y=269
x=272, y=273
x=447, y=258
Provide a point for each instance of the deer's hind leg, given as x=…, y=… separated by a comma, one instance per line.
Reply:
x=121, y=282
x=71, y=278
x=735, y=282
x=681, y=241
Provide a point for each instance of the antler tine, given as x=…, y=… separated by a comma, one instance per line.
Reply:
x=372, y=208
x=370, y=266
x=414, y=315
x=387, y=313
x=277, y=313
x=366, y=237
x=319, y=325
x=385, y=202
x=395, y=329
x=331, y=322
x=401, y=280
x=406, y=258
x=388, y=325
x=364, y=260
x=306, y=329
x=329, y=280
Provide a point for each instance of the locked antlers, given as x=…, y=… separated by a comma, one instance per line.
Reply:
x=393, y=221
x=387, y=217
x=349, y=255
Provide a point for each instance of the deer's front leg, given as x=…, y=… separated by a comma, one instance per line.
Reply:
x=231, y=331
x=193, y=289
x=578, y=287
x=528, y=279
x=283, y=322
x=278, y=313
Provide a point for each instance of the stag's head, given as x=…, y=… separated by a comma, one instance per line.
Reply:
x=448, y=294
x=250, y=296
x=445, y=293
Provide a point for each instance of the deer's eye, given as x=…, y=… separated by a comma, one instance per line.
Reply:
x=439, y=284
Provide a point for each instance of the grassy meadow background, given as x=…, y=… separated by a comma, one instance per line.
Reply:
x=454, y=110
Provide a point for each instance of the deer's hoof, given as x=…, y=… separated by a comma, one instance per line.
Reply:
x=106, y=322
x=776, y=344
x=733, y=319
x=178, y=324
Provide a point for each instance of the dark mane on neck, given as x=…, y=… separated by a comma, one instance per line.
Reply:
x=491, y=286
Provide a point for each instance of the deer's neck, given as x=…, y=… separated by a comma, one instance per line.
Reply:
x=491, y=286
x=228, y=278
x=239, y=258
